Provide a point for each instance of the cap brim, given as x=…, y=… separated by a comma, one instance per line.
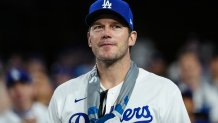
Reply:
x=95, y=15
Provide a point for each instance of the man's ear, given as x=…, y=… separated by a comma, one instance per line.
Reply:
x=89, y=41
x=132, y=38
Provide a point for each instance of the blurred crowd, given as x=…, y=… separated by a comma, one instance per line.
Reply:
x=27, y=83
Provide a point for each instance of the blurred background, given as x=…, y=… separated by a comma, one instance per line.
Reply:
x=177, y=40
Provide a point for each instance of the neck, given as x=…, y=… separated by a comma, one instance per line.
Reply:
x=194, y=83
x=112, y=74
x=23, y=107
x=25, y=112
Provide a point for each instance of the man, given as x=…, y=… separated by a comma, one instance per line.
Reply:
x=21, y=93
x=116, y=90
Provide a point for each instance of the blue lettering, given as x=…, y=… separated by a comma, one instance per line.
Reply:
x=129, y=113
x=77, y=117
x=145, y=108
x=137, y=110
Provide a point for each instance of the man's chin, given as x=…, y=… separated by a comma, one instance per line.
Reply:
x=107, y=59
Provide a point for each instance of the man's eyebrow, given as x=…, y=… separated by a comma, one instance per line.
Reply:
x=115, y=22
x=95, y=23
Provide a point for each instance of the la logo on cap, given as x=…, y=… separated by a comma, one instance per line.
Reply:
x=106, y=4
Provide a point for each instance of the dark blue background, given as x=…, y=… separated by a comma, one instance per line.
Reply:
x=46, y=26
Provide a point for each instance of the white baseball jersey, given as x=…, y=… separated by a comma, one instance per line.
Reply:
x=38, y=111
x=154, y=99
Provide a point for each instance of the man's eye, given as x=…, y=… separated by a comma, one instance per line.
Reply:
x=116, y=26
x=97, y=27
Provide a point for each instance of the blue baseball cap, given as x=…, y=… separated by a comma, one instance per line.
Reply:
x=116, y=7
x=16, y=75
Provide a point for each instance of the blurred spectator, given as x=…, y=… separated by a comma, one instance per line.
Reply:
x=143, y=47
x=173, y=71
x=205, y=97
x=157, y=64
x=36, y=64
x=86, y=64
x=63, y=68
x=41, y=81
x=4, y=99
x=189, y=104
x=15, y=60
x=70, y=64
x=24, y=109
x=214, y=70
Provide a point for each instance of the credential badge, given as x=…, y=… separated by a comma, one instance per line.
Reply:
x=107, y=4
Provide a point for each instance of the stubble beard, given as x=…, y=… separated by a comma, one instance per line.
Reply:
x=113, y=59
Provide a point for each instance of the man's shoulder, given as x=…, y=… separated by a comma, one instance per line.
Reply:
x=143, y=74
x=156, y=86
x=74, y=84
x=155, y=80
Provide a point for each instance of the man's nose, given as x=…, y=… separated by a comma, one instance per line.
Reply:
x=107, y=32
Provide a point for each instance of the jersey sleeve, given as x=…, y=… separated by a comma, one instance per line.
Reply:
x=175, y=110
x=53, y=114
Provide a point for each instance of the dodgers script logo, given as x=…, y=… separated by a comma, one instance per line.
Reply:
x=106, y=4
x=142, y=114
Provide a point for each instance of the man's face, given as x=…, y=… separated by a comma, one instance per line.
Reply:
x=110, y=39
x=21, y=94
x=190, y=67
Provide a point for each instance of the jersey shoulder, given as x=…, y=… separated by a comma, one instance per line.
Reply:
x=153, y=80
x=73, y=85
